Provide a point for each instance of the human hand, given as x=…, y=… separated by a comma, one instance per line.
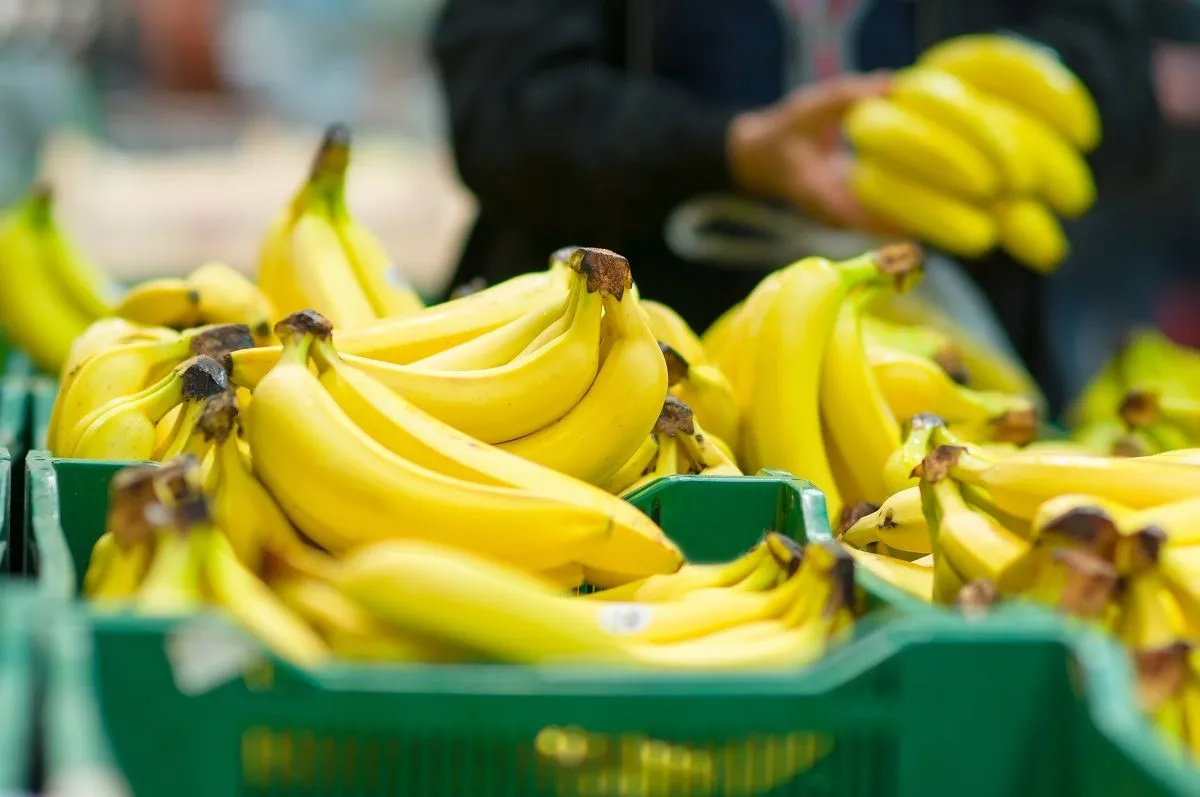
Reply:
x=792, y=151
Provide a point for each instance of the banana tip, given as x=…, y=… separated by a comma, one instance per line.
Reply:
x=937, y=464
x=853, y=514
x=675, y=418
x=606, y=271
x=304, y=322
x=204, y=377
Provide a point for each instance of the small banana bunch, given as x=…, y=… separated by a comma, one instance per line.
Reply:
x=960, y=513
x=677, y=446
x=134, y=393
x=1145, y=400
x=315, y=255
x=212, y=294
x=979, y=144
x=52, y=293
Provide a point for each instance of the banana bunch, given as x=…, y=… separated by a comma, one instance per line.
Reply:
x=212, y=294
x=678, y=445
x=979, y=144
x=1145, y=400
x=811, y=370
x=315, y=255
x=179, y=540
x=127, y=389
x=52, y=293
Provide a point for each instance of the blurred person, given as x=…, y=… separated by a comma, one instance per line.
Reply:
x=590, y=121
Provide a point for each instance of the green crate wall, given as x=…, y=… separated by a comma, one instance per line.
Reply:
x=18, y=688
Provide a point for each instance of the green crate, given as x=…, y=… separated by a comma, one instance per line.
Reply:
x=5, y=499
x=18, y=688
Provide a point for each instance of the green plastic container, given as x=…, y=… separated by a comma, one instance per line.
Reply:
x=42, y=393
x=18, y=688
x=5, y=499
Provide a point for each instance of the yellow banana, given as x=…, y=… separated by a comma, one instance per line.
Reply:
x=899, y=522
x=107, y=333
x=341, y=488
x=908, y=576
x=1026, y=75
x=913, y=385
x=921, y=148
x=919, y=341
x=898, y=472
x=1030, y=233
x=408, y=432
x=936, y=216
x=590, y=442
x=124, y=370
x=785, y=422
x=323, y=272
x=87, y=287
x=163, y=301
x=942, y=98
x=635, y=467
x=1080, y=520
x=275, y=278
x=670, y=328
x=228, y=297
x=174, y=581
x=716, y=338
x=126, y=428
x=667, y=463
x=973, y=544
x=35, y=311
x=854, y=408
x=706, y=390
x=1065, y=180
x=690, y=577
x=1179, y=521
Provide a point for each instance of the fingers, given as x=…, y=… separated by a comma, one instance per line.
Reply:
x=828, y=194
x=827, y=102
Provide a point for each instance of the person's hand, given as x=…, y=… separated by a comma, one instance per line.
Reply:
x=792, y=151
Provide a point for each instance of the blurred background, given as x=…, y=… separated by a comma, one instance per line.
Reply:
x=173, y=131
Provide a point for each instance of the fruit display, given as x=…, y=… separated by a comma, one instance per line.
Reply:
x=979, y=145
x=182, y=537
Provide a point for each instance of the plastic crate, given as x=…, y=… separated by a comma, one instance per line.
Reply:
x=18, y=689
x=42, y=393
x=5, y=499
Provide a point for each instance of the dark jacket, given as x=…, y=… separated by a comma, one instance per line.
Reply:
x=587, y=121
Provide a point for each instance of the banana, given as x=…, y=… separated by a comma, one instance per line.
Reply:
x=1183, y=456
x=1075, y=582
x=124, y=370
x=106, y=333
x=716, y=338
x=913, y=385
x=341, y=488
x=974, y=545
x=787, y=360
x=706, y=453
x=173, y=584
x=163, y=301
x=899, y=522
x=1080, y=520
x=503, y=344
x=942, y=98
x=92, y=292
x=689, y=577
x=667, y=463
x=519, y=398
x=103, y=551
x=899, y=471
x=742, y=337
x=590, y=442
x=242, y=508
x=227, y=297
x=567, y=578
x=274, y=276
x=908, y=576
x=1020, y=482
x=637, y=545
x=919, y=341
x=921, y=148
x=1099, y=399
x=1150, y=617
x=670, y=328
x=1178, y=521
x=126, y=429
x=248, y=600
x=705, y=389
x=1030, y=233
x=1025, y=74
x=350, y=630
x=1154, y=410
x=934, y=215
x=121, y=556
x=324, y=275
x=35, y=311
x=855, y=411
x=634, y=468
x=1064, y=179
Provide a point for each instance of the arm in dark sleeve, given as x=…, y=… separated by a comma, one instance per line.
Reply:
x=1108, y=44
x=547, y=132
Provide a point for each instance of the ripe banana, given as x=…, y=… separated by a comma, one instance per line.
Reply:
x=942, y=98
x=690, y=577
x=35, y=310
x=670, y=328
x=341, y=488
x=125, y=429
x=634, y=468
x=919, y=341
x=173, y=584
x=913, y=385
x=591, y=441
x=636, y=545
x=1026, y=75
x=855, y=411
x=1030, y=233
x=899, y=523
x=163, y=301
x=899, y=472
x=921, y=149
x=908, y=576
x=706, y=390
x=228, y=297
x=123, y=370
x=784, y=422
x=936, y=216
x=107, y=333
